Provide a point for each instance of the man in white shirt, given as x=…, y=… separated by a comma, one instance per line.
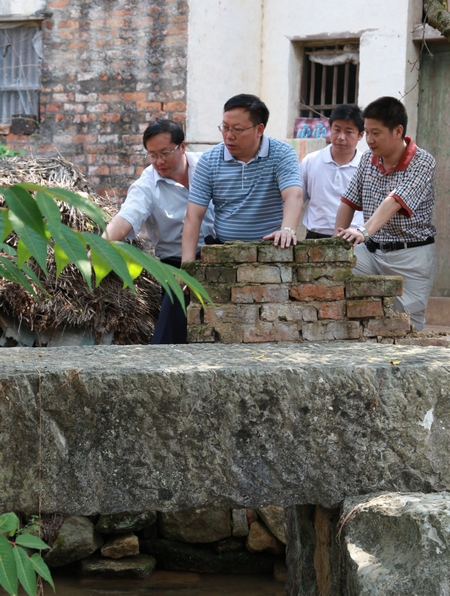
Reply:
x=159, y=199
x=327, y=173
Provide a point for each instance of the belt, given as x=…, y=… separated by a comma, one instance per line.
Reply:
x=315, y=235
x=388, y=246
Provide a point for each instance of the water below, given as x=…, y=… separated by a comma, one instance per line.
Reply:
x=170, y=583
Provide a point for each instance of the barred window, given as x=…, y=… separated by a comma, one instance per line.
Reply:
x=20, y=70
x=329, y=78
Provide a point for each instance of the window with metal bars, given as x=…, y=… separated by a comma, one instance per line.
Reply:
x=329, y=78
x=20, y=70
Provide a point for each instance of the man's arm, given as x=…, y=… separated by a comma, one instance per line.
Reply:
x=380, y=217
x=344, y=217
x=292, y=210
x=191, y=231
x=117, y=229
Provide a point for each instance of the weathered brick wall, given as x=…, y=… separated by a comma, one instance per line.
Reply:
x=109, y=67
x=304, y=293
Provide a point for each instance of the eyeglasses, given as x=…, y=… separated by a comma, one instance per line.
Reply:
x=153, y=157
x=234, y=131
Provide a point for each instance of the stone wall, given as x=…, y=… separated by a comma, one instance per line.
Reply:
x=303, y=293
x=109, y=68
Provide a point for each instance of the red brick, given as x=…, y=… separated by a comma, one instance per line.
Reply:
x=359, y=286
x=301, y=253
x=292, y=311
x=323, y=253
x=260, y=274
x=312, y=272
x=63, y=96
x=58, y=3
x=200, y=334
x=359, y=309
x=331, y=310
x=135, y=96
x=231, y=313
x=396, y=327
x=310, y=292
x=324, y=331
x=236, y=252
x=78, y=118
x=110, y=117
x=99, y=107
x=100, y=170
x=268, y=253
x=85, y=139
x=116, y=22
x=268, y=332
x=220, y=274
x=262, y=293
x=179, y=116
x=194, y=314
x=178, y=29
x=148, y=106
x=68, y=25
x=52, y=107
x=59, y=117
x=175, y=106
x=110, y=97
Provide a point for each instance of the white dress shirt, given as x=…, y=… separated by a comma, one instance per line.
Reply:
x=161, y=203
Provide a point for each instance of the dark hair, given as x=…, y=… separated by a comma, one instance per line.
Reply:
x=164, y=125
x=259, y=112
x=389, y=111
x=348, y=111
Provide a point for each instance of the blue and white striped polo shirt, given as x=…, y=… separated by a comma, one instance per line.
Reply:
x=246, y=196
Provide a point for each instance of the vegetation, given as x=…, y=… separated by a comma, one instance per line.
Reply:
x=32, y=212
x=5, y=151
x=16, y=564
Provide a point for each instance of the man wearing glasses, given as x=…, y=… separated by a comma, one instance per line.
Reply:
x=252, y=180
x=159, y=199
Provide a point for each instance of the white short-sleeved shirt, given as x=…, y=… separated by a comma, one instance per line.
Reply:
x=324, y=182
x=161, y=203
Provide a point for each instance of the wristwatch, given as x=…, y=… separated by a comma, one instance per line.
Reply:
x=364, y=232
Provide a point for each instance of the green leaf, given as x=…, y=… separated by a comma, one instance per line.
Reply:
x=101, y=267
x=83, y=204
x=31, y=186
x=49, y=208
x=24, y=207
x=107, y=251
x=193, y=285
x=158, y=270
x=61, y=259
x=25, y=571
x=73, y=246
x=9, y=250
x=9, y=522
x=40, y=566
x=35, y=242
x=6, y=228
x=10, y=271
x=8, y=569
x=23, y=254
x=31, y=541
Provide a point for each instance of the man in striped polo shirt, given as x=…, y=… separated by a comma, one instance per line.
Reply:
x=393, y=186
x=253, y=181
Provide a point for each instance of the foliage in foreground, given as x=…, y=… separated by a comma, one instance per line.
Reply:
x=16, y=564
x=32, y=212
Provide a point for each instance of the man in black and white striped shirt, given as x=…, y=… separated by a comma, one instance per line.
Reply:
x=393, y=186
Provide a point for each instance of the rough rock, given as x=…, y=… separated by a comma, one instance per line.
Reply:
x=124, y=545
x=397, y=545
x=139, y=567
x=123, y=523
x=196, y=525
x=180, y=556
x=76, y=540
x=228, y=544
x=239, y=523
x=261, y=538
x=273, y=518
x=167, y=428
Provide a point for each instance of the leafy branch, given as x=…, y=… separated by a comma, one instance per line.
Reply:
x=32, y=212
x=16, y=565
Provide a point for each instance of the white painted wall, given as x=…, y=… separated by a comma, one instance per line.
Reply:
x=22, y=8
x=254, y=46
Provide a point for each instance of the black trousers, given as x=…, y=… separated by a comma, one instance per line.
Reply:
x=315, y=235
x=171, y=327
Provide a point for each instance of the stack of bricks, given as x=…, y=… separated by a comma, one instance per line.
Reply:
x=304, y=293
